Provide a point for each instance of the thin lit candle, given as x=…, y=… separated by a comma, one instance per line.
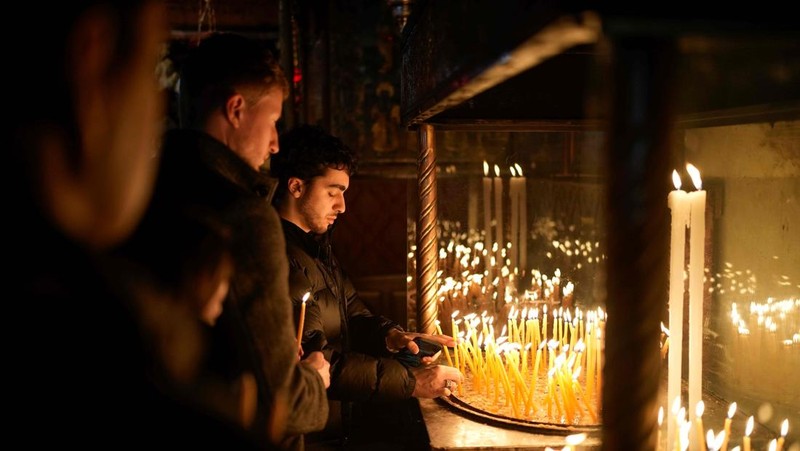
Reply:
x=747, y=431
x=487, y=213
x=523, y=221
x=727, y=427
x=784, y=431
x=698, y=424
x=498, y=214
x=697, y=233
x=302, y=321
x=513, y=193
x=679, y=206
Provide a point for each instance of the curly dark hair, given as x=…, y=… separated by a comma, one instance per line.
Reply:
x=305, y=152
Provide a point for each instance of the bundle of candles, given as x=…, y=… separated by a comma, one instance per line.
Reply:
x=528, y=355
x=546, y=371
x=693, y=432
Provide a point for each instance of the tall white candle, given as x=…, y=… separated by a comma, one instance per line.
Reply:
x=678, y=203
x=498, y=214
x=697, y=238
x=523, y=222
x=487, y=217
x=513, y=193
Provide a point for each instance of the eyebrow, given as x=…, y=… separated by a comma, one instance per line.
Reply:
x=336, y=185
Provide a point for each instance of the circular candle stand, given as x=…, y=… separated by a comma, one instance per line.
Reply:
x=462, y=407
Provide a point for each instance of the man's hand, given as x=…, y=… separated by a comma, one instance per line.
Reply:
x=397, y=340
x=435, y=380
x=317, y=361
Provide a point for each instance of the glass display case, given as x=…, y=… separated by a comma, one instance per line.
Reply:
x=608, y=220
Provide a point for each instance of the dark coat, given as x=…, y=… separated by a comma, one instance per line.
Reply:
x=255, y=332
x=84, y=361
x=340, y=325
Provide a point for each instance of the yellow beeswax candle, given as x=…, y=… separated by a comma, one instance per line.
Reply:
x=782, y=438
x=727, y=427
x=747, y=431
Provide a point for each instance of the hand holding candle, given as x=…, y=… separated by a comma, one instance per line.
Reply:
x=302, y=320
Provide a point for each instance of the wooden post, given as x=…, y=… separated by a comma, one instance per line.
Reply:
x=427, y=248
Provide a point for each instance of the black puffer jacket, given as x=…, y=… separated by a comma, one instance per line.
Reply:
x=339, y=324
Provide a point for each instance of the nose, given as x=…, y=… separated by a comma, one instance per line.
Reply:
x=272, y=147
x=339, y=206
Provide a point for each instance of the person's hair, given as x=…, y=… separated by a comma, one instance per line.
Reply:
x=305, y=152
x=186, y=254
x=221, y=65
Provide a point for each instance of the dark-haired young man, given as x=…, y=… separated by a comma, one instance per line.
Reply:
x=313, y=172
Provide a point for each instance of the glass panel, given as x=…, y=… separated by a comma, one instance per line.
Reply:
x=751, y=351
x=521, y=239
x=553, y=216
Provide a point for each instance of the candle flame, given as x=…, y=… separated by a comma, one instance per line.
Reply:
x=773, y=445
x=519, y=169
x=575, y=439
x=497, y=170
x=715, y=441
x=785, y=427
x=485, y=168
x=731, y=410
x=701, y=407
x=305, y=296
x=749, y=428
x=676, y=405
x=660, y=415
x=695, y=174
x=676, y=179
x=513, y=171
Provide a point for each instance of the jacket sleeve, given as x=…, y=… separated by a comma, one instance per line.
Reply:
x=263, y=283
x=360, y=377
x=367, y=331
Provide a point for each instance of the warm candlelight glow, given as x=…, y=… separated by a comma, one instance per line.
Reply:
x=575, y=439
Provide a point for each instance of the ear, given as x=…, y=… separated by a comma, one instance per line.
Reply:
x=296, y=187
x=234, y=109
